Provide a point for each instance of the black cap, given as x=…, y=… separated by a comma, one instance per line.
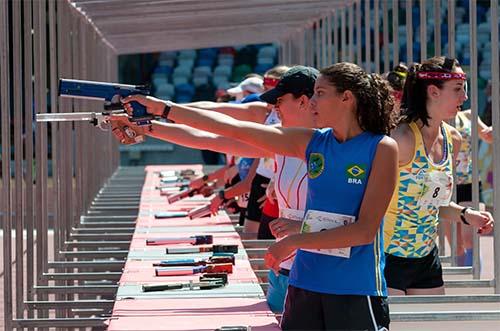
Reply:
x=298, y=80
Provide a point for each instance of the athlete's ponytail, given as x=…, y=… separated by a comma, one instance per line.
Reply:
x=397, y=76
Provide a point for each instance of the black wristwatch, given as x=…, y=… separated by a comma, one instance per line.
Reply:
x=222, y=196
x=462, y=215
x=166, y=111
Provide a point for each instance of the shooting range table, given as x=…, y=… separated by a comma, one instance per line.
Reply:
x=240, y=303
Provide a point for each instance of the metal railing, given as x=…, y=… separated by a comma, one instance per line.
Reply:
x=41, y=41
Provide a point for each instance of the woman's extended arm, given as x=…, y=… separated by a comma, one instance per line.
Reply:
x=252, y=111
x=194, y=138
x=485, y=132
x=245, y=185
x=285, y=141
x=479, y=219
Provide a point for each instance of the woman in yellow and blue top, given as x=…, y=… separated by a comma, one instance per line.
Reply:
x=352, y=170
x=434, y=92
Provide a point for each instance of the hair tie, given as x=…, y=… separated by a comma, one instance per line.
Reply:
x=448, y=63
x=401, y=74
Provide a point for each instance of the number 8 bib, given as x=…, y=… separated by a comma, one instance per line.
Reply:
x=437, y=189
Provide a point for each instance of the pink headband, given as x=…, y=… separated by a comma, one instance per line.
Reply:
x=441, y=75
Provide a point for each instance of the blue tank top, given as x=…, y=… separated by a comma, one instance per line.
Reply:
x=244, y=166
x=337, y=177
x=246, y=162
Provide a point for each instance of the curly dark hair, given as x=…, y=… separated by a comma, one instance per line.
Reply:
x=414, y=102
x=372, y=93
x=397, y=76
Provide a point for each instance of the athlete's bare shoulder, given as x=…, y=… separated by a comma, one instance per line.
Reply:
x=405, y=138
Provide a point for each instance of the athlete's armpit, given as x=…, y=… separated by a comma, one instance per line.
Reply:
x=380, y=188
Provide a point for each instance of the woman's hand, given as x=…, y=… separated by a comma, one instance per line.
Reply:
x=486, y=134
x=230, y=174
x=197, y=182
x=215, y=204
x=278, y=252
x=482, y=220
x=206, y=190
x=269, y=196
x=270, y=192
x=154, y=106
x=282, y=227
x=125, y=131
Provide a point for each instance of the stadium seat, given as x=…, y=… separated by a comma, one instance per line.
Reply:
x=263, y=67
x=168, y=55
x=217, y=80
x=165, y=89
x=187, y=54
x=167, y=62
x=204, y=92
x=180, y=80
x=185, y=63
x=183, y=98
x=184, y=88
x=226, y=61
x=227, y=50
x=200, y=80
x=202, y=71
x=240, y=72
x=159, y=80
x=165, y=70
x=223, y=70
x=182, y=71
x=205, y=62
x=267, y=51
x=265, y=60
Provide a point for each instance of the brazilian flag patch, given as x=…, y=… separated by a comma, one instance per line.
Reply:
x=356, y=171
x=316, y=165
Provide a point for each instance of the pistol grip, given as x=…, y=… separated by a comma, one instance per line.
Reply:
x=139, y=114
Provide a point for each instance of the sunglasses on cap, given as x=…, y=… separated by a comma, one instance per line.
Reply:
x=271, y=82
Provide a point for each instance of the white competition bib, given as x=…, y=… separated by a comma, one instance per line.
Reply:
x=317, y=221
x=295, y=215
x=243, y=200
x=437, y=190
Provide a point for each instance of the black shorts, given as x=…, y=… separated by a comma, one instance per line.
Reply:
x=307, y=310
x=403, y=273
x=464, y=192
x=264, y=230
x=243, y=212
x=236, y=179
x=254, y=212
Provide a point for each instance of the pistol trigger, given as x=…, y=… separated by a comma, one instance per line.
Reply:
x=103, y=125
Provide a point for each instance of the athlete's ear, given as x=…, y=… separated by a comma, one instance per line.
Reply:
x=304, y=100
x=433, y=91
x=347, y=95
